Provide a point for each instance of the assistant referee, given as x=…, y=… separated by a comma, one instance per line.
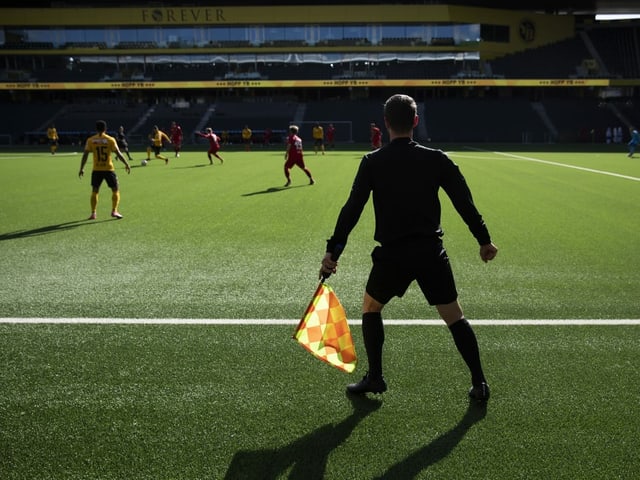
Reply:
x=404, y=178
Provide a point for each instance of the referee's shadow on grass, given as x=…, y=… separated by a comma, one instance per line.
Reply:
x=272, y=190
x=437, y=449
x=304, y=458
x=55, y=228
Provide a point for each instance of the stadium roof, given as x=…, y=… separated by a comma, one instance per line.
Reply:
x=572, y=7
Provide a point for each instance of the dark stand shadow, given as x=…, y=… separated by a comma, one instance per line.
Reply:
x=304, y=458
x=59, y=227
x=439, y=448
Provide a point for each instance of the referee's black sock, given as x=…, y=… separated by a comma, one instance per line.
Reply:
x=373, y=334
x=467, y=344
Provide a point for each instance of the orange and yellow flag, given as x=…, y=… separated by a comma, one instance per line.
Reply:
x=324, y=330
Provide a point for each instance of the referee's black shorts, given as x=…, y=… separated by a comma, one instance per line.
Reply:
x=394, y=268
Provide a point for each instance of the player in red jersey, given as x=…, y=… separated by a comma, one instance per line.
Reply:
x=266, y=139
x=331, y=135
x=214, y=144
x=176, y=138
x=376, y=136
x=294, y=156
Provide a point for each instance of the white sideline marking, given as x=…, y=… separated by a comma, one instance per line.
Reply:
x=29, y=155
x=266, y=321
x=601, y=172
x=558, y=164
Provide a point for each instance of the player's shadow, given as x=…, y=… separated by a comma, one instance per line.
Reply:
x=198, y=165
x=272, y=190
x=55, y=228
x=305, y=458
x=437, y=449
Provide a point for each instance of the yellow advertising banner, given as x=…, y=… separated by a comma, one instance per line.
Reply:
x=215, y=84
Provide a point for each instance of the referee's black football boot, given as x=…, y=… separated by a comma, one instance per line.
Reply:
x=368, y=384
x=480, y=393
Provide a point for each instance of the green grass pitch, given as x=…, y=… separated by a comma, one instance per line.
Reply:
x=175, y=401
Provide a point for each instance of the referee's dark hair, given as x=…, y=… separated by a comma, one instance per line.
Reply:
x=400, y=111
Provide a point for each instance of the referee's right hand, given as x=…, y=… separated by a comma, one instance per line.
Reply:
x=328, y=266
x=488, y=252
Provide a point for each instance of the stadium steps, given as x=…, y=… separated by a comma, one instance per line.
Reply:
x=204, y=120
x=142, y=120
x=298, y=116
x=52, y=120
x=544, y=116
x=616, y=111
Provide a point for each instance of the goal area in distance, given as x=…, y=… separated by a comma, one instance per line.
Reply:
x=344, y=130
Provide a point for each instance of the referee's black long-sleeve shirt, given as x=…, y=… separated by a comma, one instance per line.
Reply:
x=405, y=178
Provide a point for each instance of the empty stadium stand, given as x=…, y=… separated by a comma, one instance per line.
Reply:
x=480, y=112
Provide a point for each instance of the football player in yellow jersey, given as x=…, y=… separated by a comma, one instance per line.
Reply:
x=318, y=138
x=246, y=138
x=102, y=146
x=52, y=137
x=157, y=138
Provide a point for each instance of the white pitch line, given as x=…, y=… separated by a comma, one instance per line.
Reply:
x=463, y=155
x=43, y=154
x=276, y=321
x=566, y=165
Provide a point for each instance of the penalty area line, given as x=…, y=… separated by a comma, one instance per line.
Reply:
x=275, y=321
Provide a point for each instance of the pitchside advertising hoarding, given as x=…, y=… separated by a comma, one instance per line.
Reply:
x=225, y=84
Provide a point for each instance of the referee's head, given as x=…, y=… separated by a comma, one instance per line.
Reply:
x=400, y=113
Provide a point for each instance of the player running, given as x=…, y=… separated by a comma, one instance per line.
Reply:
x=294, y=156
x=214, y=144
x=123, y=143
x=157, y=139
x=176, y=138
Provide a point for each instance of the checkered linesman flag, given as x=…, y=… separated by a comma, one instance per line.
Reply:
x=324, y=331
